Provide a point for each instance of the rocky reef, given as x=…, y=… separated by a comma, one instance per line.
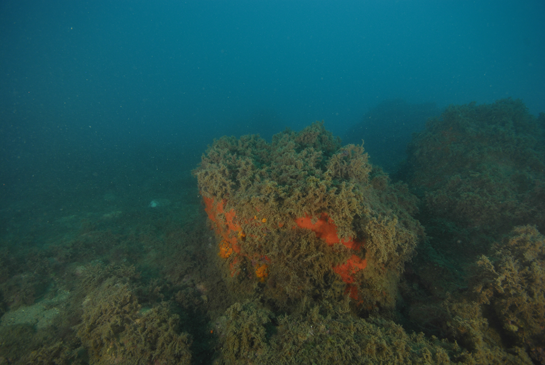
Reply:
x=300, y=251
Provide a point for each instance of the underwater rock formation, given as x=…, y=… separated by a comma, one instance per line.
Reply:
x=296, y=216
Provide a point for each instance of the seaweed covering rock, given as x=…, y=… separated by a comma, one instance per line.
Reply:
x=242, y=332
x=116, y=331
x=329, y=334
x=294, y=216
x=512, y=282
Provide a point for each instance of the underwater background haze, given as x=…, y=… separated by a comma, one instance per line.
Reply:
x=101, y=78
x=106, y=112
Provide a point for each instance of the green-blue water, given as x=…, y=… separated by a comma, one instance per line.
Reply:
x=107, y=107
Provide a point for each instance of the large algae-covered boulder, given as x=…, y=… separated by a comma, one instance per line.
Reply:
x=304, y=217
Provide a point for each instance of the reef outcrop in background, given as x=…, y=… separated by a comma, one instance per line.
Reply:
x=482, y=166
x=480, y=171
x=312, y=259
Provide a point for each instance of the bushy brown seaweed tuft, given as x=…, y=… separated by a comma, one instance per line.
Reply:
x=512, y=282
x=242, y=332
x=327, y=333
x=115, y=329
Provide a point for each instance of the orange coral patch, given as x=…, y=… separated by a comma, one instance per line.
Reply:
x=234, y=266
x=262, y=272
x=352, y=290
x=350, y=268
x=230, y=231
x=325, y=228
x=225, y=250
x=209, y=208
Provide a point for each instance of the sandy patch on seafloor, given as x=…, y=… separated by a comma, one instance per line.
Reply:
x=41, y=314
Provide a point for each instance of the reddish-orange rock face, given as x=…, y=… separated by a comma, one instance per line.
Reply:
x=232, y=235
